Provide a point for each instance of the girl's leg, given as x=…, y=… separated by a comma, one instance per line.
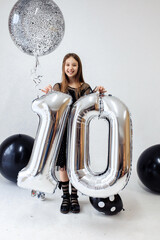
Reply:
x=63, y=175
x=64, y=183
x=75, y=208
x=65, y=206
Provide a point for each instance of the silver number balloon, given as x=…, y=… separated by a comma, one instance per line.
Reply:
x=117, y=173
x=36, y=26
x=53, y=110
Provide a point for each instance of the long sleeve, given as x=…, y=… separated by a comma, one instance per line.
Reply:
x=57, y=87
x=86, y=89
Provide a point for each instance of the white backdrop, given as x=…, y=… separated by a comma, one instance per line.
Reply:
x=118, y=42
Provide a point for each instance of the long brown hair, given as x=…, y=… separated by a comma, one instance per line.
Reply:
x=79, y=76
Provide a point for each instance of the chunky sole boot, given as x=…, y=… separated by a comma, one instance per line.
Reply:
x=75, y=207
x=65, y=206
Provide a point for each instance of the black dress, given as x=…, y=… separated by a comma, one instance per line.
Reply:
x=76, y=93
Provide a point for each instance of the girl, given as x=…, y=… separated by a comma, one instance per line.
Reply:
x=73, y=84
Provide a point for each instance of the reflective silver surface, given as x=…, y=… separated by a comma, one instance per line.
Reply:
x=36, y=26
x=116, y=175
x=53, y=110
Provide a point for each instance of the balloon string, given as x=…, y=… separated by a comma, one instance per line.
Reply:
x=100, y=105
x=35, y=76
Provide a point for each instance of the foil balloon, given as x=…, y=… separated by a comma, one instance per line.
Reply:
x=39, y=174
x=117, y=172
x=36, y=26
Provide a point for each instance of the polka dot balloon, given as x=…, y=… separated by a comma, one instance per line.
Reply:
x=36, y=26
x=109, y=206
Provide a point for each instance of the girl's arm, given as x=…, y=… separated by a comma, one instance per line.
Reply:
x=87, y=89
x=101, y=89
x=47, y=89
x=56, y=87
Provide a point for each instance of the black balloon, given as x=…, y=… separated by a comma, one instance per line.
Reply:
x=109, y=206
x=15, y=152
x=148, y=168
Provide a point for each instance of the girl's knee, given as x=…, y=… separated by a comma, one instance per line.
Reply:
x=62, y=169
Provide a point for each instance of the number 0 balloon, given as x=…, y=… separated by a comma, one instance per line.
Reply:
x=36, y=26
x=117, y=173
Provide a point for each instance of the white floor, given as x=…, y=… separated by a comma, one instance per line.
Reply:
x=23, y=217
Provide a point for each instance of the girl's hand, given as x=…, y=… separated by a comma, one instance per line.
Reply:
x=100, y=89
x=47, y=89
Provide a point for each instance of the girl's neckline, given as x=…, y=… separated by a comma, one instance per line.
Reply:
x=77, y=87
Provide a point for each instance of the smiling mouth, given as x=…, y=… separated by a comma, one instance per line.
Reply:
x=70, y=72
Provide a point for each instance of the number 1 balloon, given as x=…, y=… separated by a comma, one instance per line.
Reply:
x=36, y=26
x=52, y=110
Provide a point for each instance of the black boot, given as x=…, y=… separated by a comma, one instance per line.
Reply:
x=75, y=207
x=65, y=206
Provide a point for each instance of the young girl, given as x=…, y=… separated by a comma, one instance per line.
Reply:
x=73, y=84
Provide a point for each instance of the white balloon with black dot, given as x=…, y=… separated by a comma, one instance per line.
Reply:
x=109, y=206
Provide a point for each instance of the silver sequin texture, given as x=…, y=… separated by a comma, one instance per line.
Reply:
x=36, y=26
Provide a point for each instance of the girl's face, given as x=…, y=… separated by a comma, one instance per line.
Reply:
x=71, y=67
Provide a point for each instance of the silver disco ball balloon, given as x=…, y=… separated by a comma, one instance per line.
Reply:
x=36, y=26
